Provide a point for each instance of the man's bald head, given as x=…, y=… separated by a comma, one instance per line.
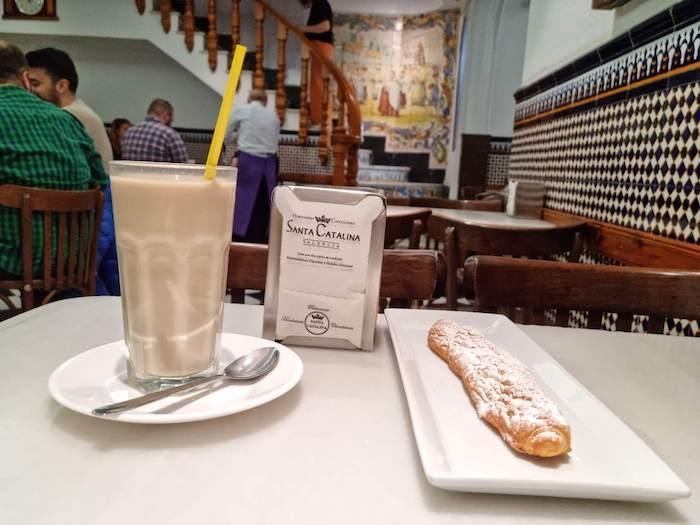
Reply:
x=162, y=110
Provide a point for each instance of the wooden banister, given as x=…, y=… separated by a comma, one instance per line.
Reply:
x=235, y=24
x=281, y=98
x=188, y=24
x=259, y=77
x=325, y=115
x=341, y=125
x=304, y=94
x=166, y=8
x=351, y=135
x=212, y=36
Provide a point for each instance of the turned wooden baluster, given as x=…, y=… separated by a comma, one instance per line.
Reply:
x=235, y=24
x=281, y=99
x=304, y=95
x=141, y=6
x=325, y=116
x=340, y=145
x=166, y=7
x=259, y=77
x=212, y=37
x=351, y=175
x=189, y=25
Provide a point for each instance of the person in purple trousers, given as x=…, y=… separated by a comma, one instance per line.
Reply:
x=258, y=130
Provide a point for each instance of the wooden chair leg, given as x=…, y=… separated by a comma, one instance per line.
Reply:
x=451, y=288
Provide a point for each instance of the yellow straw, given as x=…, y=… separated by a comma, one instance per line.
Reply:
x=217, y=140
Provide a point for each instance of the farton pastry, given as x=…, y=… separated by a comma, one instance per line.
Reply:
x=503, y=390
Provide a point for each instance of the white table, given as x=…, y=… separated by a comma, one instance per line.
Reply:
x=475, y=217
x=404, y=211
x=490, y=218
x=337, y=449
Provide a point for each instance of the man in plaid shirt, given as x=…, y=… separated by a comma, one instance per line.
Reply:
x=153, y=139
x=40, y=146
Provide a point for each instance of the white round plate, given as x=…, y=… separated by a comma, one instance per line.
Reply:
x=98, y=377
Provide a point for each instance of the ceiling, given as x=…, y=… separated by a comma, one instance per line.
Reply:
x=296, y=14
x=393, y=7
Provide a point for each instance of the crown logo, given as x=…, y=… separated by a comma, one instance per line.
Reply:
x=323, y=219
x=317, y=317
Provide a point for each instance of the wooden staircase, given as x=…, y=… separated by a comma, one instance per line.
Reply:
x=340, y=131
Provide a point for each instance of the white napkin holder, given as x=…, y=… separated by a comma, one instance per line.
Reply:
x=525, y=199
x=324, y=266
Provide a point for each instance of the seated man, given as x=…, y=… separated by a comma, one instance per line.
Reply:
x=154, y=139
x=40, y=146
x=53, y=77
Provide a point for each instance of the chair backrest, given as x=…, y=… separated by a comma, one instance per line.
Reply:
x=398, y=201
x=411, y=274
x=406, y=226
x=455, y=204
x=463, y=240
x=531, y=286
x=533, y=243
x=247, y=269
x=406, y=274
x=62, y=229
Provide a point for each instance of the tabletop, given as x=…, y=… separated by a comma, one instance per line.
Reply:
x=338, y=448
x=404, y=211
x=476, y=217
x=490, y=218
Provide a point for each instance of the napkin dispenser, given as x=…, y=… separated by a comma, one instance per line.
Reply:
x=324, y=266
x=525, y=199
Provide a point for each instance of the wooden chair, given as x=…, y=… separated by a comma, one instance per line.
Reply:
x=407, y=275
x=524, y=289
x=67, y=229
x=398, y=201
x=247, y=269
x=411, y=275
x=461, y=240
x=410, y=226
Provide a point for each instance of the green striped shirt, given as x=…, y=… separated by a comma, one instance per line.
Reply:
x=44, y=147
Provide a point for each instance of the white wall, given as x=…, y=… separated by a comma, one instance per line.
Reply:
x=496, y=32
x=118, y=19
x=119, y=78
x=560, y=31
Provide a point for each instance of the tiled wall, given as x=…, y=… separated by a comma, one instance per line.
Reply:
x=615, y=135
x=498, y=163
x=294, y=158
x=619, y=143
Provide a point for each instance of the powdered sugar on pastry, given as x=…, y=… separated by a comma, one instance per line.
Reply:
x=503, y=390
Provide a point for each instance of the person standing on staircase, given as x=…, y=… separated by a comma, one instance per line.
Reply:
x=318, y=29
x=258, y=130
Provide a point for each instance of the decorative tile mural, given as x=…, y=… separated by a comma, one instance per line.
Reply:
x=403, y=71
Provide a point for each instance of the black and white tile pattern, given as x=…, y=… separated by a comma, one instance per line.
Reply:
x=498, y=164
x=634, y=163
x=677, y=51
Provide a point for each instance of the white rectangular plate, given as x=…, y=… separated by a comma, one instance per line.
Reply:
x=461, y=452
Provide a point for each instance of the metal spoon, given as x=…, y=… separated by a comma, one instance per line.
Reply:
x=250, y=366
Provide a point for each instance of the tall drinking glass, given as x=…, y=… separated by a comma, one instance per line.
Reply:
x=173, y=231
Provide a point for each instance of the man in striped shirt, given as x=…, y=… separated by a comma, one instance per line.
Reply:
x=153, y=139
